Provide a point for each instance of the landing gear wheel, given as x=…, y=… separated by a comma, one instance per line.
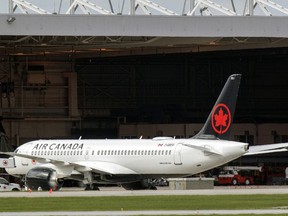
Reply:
x=152, y=187
x=91, y=187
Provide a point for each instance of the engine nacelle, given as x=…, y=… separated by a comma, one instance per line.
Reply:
x=44, y=178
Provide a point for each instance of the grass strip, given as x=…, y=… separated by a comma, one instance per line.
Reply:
x=129, y=203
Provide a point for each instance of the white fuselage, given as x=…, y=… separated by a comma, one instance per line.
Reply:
x=159, y=157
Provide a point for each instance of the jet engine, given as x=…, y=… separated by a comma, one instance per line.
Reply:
x=145, y=184
x=43, y=178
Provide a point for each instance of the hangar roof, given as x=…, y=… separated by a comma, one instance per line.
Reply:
x=143, y=27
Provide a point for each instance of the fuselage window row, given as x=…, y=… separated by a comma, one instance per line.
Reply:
x=105, y=152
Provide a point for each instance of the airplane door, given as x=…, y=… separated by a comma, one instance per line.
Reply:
x=177, y=154
x=87, y=151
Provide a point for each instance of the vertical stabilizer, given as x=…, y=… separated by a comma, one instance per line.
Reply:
x=220, y=119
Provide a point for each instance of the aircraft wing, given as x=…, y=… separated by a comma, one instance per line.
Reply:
x=265, y=149
x=38, y=159
x=101, y=167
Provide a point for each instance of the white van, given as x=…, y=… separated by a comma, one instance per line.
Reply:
x=6, y=186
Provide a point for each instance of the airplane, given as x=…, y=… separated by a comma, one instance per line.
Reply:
x=130, y=163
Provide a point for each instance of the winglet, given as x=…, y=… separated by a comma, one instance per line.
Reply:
x=218, y=124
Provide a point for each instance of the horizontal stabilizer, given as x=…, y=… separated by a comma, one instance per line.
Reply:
x=265, y=149
x=205, y=149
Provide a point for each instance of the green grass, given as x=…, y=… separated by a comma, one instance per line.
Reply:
x=129, y=203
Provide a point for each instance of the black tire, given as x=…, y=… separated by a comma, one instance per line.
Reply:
x=247, y=181
x=91, y=187
x=15, y=189
x=234, y=182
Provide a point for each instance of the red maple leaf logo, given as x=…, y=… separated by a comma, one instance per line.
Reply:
x=221, y=120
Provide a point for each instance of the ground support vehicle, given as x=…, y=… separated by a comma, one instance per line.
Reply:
x=6, y=186
x=232, y=177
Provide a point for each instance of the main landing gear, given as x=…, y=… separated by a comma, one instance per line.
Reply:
x=91, y=187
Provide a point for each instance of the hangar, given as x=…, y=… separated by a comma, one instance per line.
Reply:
x=108, y=69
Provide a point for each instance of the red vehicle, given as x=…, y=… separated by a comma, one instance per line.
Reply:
x=232, y=177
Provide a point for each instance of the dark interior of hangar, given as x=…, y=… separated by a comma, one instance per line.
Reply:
x=89, y=97
x=183, y=87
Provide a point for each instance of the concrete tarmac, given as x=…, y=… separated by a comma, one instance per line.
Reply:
x=119, y=191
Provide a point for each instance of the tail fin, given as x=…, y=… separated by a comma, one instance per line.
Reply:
x=220, y=119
